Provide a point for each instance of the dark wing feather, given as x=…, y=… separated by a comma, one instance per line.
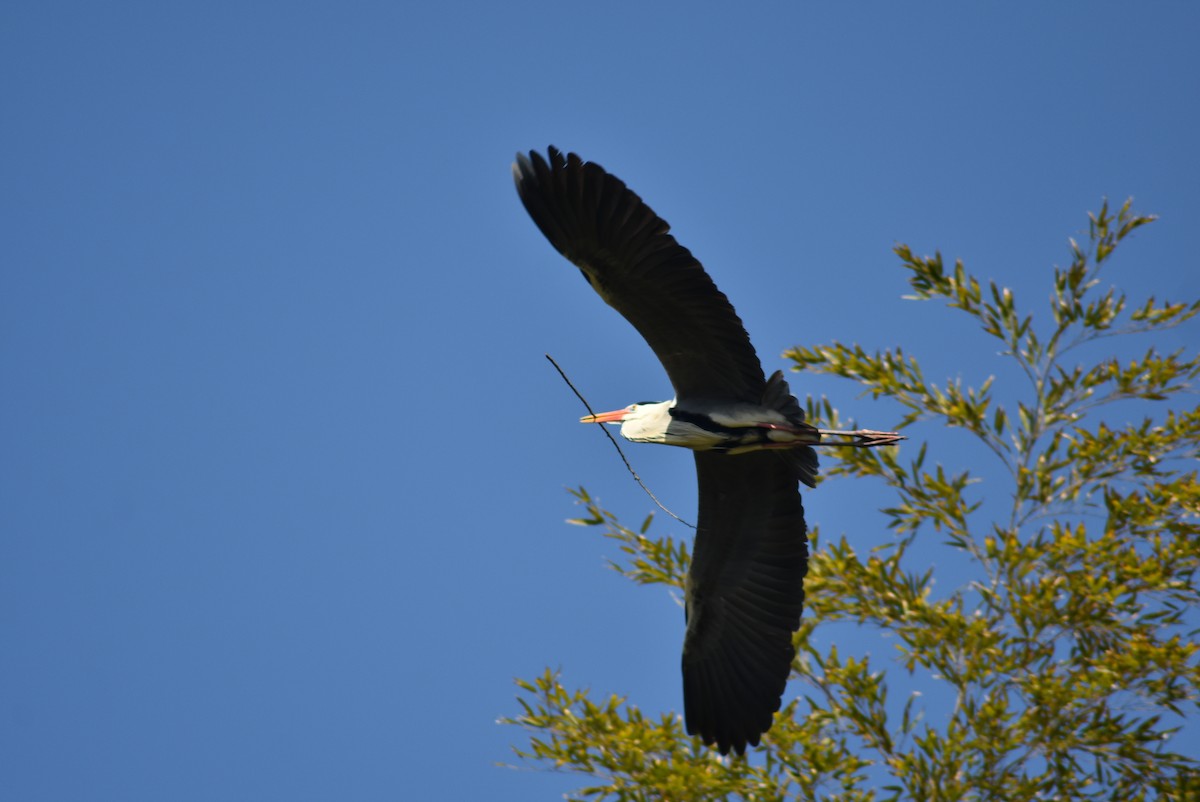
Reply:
x=745, y=591
x=628, y=255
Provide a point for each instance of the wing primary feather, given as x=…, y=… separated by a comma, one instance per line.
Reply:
x=745, y=595
x=630, y=257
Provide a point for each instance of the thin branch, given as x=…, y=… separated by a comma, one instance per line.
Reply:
x=613, y=440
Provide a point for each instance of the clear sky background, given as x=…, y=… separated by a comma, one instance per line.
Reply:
x=282, y=466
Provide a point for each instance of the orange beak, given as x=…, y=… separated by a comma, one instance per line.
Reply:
x=605, y=417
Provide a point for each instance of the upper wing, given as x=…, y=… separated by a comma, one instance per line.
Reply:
x=745, y=591
x=625, y=251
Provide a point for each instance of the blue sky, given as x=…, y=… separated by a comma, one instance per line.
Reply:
x=282, y=485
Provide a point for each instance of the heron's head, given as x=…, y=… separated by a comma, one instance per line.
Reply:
x=645, y=421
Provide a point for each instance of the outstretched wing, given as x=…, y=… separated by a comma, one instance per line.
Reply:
x=745, y=591
x=629, y=257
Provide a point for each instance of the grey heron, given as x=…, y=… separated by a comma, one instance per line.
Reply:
x=745, y=587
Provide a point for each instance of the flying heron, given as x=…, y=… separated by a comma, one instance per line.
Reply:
x=745, y=589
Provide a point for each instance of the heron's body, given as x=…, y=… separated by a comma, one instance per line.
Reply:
x=728, y=427
x=733, y=429
x=744, y=590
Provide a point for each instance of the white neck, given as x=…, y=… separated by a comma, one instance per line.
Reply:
x=648, y=423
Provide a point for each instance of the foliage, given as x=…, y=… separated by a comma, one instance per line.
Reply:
x=1066, y=653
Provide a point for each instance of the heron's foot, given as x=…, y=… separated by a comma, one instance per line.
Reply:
x=860, y=438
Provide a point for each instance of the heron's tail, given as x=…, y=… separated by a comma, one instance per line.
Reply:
x=778, y=396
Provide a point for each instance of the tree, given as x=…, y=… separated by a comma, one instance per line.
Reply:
x=1066, y=652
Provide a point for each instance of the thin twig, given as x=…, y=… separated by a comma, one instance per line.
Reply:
x=613, y=440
